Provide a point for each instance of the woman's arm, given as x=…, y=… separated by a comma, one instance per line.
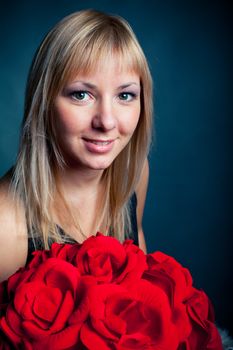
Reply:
x=13, y=234
x=141, y=191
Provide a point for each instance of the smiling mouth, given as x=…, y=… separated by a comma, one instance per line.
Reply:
x=99, y=142
x=99, y=146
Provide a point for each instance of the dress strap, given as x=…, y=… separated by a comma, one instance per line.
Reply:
x=133, y=217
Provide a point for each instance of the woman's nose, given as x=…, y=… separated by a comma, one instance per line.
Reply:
x=104, y=118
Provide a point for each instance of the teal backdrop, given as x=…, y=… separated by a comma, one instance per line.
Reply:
x=188, y=44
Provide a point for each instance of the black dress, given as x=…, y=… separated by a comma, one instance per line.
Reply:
x=37, y=244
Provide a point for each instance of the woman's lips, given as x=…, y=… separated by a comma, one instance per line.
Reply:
x=98, y=146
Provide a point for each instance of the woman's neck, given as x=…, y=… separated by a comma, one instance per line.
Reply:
x=79, y=183
x=79, y=200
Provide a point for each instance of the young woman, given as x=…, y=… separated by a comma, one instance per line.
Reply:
x=82, y=162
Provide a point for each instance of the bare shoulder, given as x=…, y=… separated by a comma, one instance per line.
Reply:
x=141, y=192
x=13, y=233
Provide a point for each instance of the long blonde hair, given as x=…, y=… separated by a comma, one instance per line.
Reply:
x=75, y=45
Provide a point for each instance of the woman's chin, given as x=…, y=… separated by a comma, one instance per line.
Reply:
x=100, y=162
x=100, y=165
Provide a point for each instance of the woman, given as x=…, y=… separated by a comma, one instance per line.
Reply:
x=82, y=163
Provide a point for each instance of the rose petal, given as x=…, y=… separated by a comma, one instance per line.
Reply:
x=135, y=341
x=13, y=320
x=54, y=274
x=62, y=340
x=46, y=303
x=4, y=326
x=65, y=310
x=92, y=340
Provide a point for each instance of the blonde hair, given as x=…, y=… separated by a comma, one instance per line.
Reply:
x=75, y=45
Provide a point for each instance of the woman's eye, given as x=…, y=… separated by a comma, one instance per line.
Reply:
x=80, y=95
x=126, y=96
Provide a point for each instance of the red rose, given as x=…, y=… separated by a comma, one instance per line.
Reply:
x=204, y=333
x=43, y=302
x=176, y=281
x=106, y=259
x=122, y=320
x=57, y=250
x=104, y=295
x=191, y=309
x=170, y=275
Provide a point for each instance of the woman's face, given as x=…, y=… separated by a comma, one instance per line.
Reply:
x=96, y=115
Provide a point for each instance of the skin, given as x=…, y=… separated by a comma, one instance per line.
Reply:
x=95, y=116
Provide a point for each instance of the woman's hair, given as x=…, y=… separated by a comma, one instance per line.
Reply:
x=76, y=45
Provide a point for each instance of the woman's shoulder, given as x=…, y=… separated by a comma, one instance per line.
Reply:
x=13, y=231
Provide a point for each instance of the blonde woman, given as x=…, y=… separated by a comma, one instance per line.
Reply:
x=82, y=162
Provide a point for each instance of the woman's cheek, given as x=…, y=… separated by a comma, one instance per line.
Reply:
x=127, y=125
x=68, y=116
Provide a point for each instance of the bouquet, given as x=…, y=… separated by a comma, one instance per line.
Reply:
x=104, y=295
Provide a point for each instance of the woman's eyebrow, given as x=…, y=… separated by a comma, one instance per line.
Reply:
x=88, y=85
x=128, y=84
x=93, y=86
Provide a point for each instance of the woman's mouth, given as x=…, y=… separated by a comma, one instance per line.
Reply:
x=98, y=146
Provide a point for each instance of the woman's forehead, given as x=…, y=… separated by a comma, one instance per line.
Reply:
x=117, y=63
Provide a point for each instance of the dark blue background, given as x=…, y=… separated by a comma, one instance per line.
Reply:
x=188, y=211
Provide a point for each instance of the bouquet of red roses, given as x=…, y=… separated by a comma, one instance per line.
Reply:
x=104, y=295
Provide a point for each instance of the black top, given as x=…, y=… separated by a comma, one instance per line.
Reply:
x=37, y=244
